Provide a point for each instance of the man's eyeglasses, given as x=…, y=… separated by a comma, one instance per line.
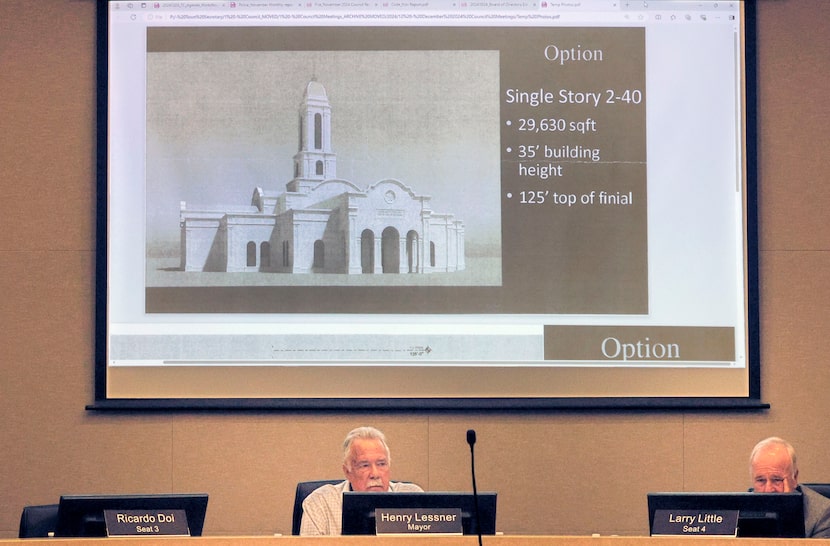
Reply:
x=774, y=481
x=364, y=466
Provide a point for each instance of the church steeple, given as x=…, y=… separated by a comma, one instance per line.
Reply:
x=315, y=161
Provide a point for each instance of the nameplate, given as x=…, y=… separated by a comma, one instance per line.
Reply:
x=418, y=520
x=144, y=523
x=695, y=523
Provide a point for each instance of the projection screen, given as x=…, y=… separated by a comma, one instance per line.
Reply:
x=438, y=204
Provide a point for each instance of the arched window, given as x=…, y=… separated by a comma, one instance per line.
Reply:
x=265, y=254
x=319, y=167
x=251, y=254
x=318, y=131
x=431, y=254
x=319, y=255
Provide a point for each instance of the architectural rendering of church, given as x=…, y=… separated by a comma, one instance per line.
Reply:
x=322, y=224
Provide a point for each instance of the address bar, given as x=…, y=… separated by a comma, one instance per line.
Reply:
x=378, y=17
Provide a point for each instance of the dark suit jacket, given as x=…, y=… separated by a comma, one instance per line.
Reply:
x=816, y=513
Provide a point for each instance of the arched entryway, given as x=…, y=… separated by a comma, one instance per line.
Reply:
x=367, y=251
x=412, y=256
x=390, y=250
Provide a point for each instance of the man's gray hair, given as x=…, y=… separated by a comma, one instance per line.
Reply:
x=774, y=441
x=363, y=433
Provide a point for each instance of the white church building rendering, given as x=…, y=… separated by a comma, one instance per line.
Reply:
x=322, y=224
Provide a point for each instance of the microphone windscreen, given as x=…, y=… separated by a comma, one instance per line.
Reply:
x=471, y=437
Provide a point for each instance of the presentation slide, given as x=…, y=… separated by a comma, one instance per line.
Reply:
x=549, y=197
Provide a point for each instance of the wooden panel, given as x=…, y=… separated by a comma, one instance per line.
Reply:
x=47, y=161
x=793, y=120
x=556, y=472
x=432, y=541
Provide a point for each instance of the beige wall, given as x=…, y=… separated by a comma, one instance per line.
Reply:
x=556, y=472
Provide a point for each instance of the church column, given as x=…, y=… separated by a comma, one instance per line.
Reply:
x=422, y=256
x=425, y=240
x=403, y=267
x=355, y=241
x=379, y=255
x=460, y=247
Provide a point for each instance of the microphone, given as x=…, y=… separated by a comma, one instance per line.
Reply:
x=471, y=439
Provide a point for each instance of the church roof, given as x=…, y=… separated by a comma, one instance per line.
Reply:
x=315, y=90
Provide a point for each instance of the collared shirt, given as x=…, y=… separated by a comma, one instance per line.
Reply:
x=323, y=508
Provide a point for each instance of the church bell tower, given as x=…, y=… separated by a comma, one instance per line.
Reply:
x=314, y=162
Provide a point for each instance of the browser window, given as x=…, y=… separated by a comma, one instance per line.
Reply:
x=528, y=188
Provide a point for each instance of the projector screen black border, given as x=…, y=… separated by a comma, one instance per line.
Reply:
x=752, y=402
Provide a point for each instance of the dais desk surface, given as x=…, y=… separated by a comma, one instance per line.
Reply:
x=497, y=540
